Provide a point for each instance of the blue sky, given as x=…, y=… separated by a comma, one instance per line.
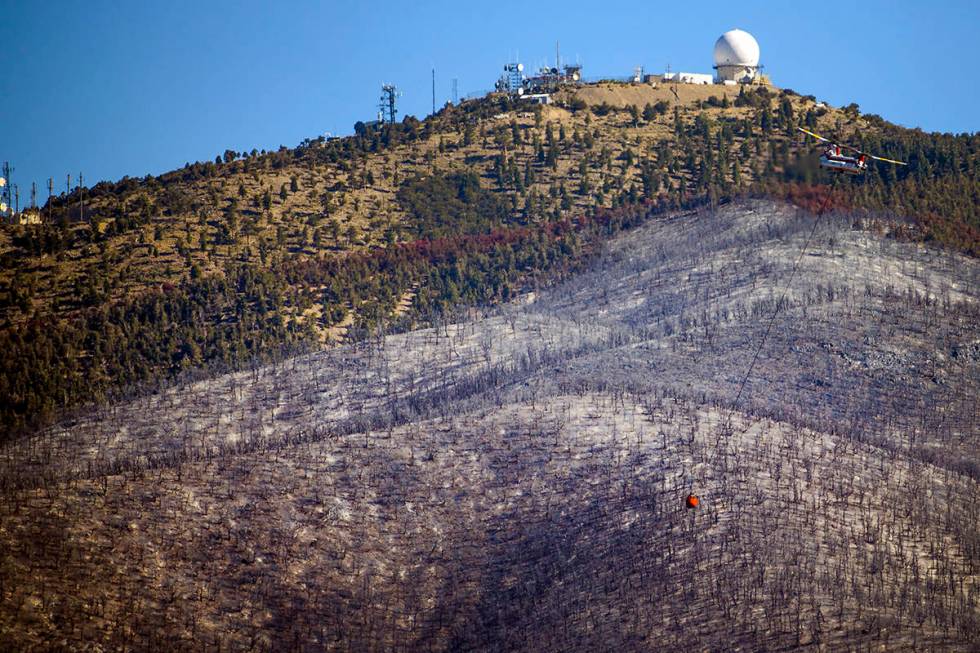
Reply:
x=130, y=88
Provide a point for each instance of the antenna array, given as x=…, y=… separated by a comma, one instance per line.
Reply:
x=387, y=112
x=5, y=186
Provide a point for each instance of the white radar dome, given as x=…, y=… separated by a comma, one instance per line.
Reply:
x=736, y=48
x=736, y=56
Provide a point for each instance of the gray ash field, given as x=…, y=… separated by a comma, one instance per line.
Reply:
x=515, y=479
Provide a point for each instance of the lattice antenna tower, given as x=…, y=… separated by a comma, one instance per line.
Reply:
x=5, y=187
x=387, y=108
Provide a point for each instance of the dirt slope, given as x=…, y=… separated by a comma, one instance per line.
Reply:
x=623, y=95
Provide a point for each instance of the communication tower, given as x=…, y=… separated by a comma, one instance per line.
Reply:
x=455, y=91
x=5, y=203
x=387, y=111
x=512, y=81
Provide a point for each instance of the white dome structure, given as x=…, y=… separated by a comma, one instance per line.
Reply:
x=736, y=57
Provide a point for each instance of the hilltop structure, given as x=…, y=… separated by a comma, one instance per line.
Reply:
x=546, y=80
x=736, y=57
x=736, y=61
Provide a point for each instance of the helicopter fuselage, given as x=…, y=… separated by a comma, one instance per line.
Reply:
x=832, y=159
x=835, y=164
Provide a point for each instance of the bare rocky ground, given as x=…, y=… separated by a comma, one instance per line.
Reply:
x=515, y=479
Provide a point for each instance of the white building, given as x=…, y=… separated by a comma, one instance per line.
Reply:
x=688, y=78
x=736, y=57
x=537, y=98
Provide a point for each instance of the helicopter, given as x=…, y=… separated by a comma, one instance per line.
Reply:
x=833, y=157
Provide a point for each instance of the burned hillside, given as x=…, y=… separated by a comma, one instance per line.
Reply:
x=514, y=478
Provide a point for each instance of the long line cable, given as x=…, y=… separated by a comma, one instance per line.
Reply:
x=765, y=336
x=779, y=302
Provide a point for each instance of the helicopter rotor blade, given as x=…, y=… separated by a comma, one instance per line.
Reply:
x=881, y=158
x=816, y=136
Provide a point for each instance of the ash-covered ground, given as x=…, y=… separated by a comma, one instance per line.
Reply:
x=516, y=479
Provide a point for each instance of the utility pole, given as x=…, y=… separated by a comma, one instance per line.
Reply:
x=433, y=91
